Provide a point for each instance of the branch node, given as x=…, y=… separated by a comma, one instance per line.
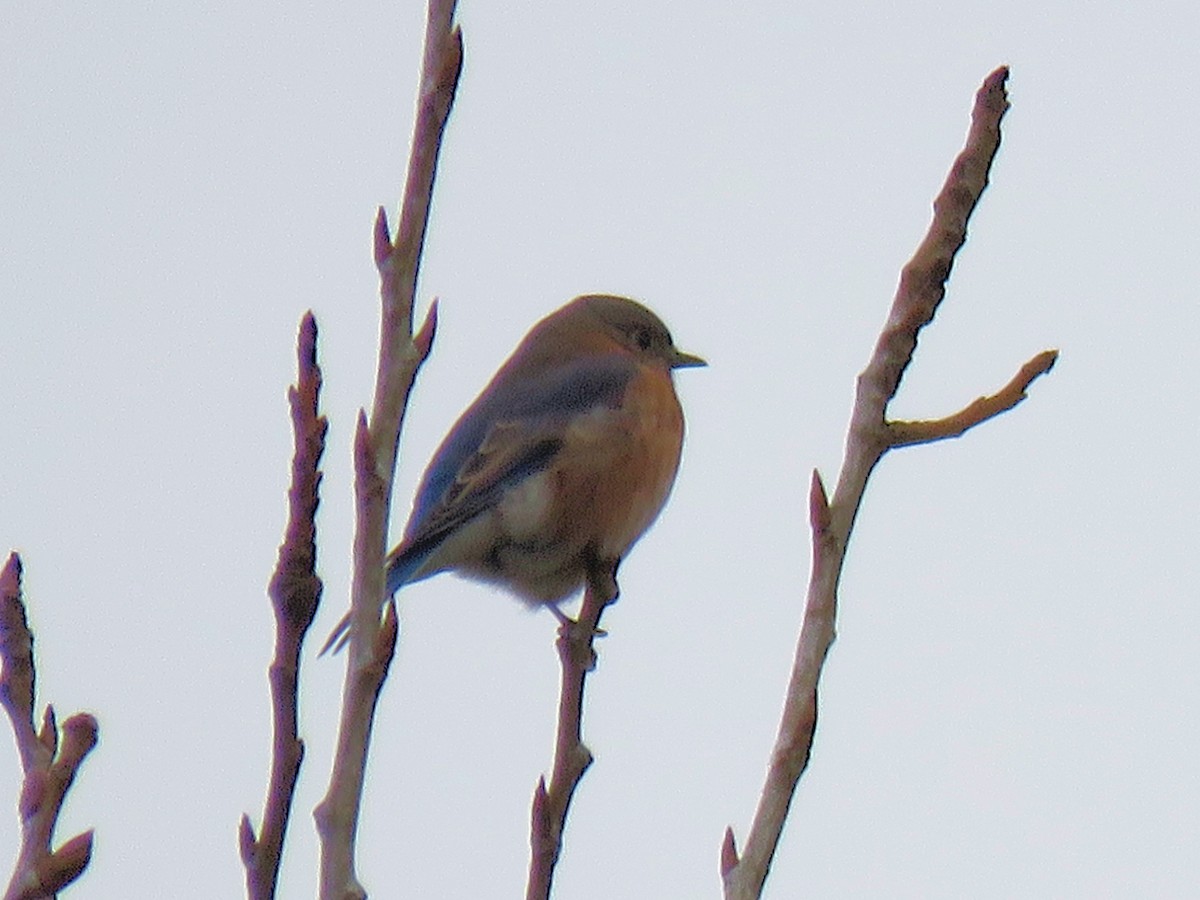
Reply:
x=383, y=240
x=424, y=339
x=48, y=733
x=818, y=504
x=63, y=866
x=247, y=842
x=922, y=288
x=50, y=761
x=729, y=853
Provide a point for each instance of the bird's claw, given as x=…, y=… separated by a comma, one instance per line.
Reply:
x=569, y=627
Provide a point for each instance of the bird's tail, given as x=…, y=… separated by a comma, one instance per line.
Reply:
x=400, y=570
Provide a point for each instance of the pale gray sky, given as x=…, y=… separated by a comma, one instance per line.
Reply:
x=1011, y=707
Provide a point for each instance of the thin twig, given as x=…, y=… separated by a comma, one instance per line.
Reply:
x=928, y=430
x=401, y=354
x=295, y=594
x=49, y=766
x=922, y=288
x=577, y=655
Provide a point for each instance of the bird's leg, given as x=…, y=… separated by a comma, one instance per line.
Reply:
x=600, y=589
x=567, y=625
x=575, y=636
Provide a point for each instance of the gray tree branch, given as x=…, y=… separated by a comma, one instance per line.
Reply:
x=401, y=353
x=49, y=766
x=922, y=288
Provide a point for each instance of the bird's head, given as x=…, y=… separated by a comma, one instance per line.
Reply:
x=627, y=323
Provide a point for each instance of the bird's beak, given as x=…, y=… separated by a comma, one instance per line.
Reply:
x=683, y=360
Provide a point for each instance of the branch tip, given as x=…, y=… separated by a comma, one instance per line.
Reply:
x=1043, y=362
x=364, y=453
x=818, y=504
x=247, y=842
x=540, y=799
x=10, y=577
x=383, y=239
x=729, y=854
x=424, y=338
x=65, y=864
x=82, y=731
x=925, y=431
x=306, y=343
x=48, y=733
x=993, y=93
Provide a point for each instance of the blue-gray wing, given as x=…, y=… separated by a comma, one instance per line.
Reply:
x=511, y=431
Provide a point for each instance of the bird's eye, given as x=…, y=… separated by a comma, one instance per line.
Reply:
x=643, y=338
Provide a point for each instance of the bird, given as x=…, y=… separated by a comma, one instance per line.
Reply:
x=559, y=466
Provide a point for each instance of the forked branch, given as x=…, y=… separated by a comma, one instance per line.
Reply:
x=922, y=288
x=49, y=766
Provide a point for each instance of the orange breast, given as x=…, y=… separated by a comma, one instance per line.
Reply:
x=617, y=466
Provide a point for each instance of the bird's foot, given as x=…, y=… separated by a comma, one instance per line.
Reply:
x=569, y=627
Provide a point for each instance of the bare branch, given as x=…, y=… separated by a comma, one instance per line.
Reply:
x=49, y=766
x=337, y=814
x=18, y=678
x=399, y=262
x=295, y=593
x=922, y=288
x=572, y=758
x=927, y=430
x=400, y=357
x=729, y=853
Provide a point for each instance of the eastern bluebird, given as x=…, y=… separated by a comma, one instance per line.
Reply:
x=560, y=465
